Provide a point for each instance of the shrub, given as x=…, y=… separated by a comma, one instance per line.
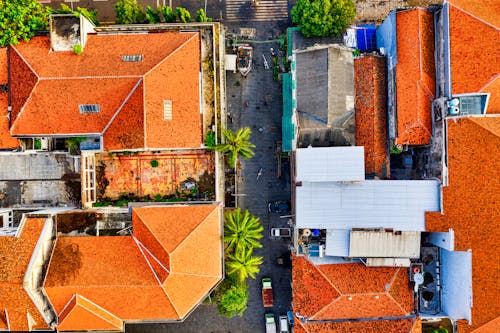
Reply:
x=201, y=16
x=154, y=163
x=128, y=12
x=167, y=13
x=210, y=139
x=233, y=300
x=77, y=49
x=152, y=15
x=183, y=14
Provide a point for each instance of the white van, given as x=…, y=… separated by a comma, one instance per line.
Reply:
x=283, y=324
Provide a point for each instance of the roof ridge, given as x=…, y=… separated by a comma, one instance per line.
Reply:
x=122, y=105
x=25, y=61
x=149, y=264
x=216, y=208
x=391, y=282
x=326, y=278
x=199, y=275
x=473, y=16
x=98, y=306
x=169, y=299
x=476, y=120
x=13, y=121
x=148, y=228
x=323, y=309
x=54, y=78
x=396, y=302
x=491, y=81
x=171, y=53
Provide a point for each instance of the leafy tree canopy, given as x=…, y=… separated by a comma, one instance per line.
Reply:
x=128, y=12
x=168, y=13
x=233, y=300
x=242, y=231
x=19, y=19
x=152, y=15
x=243, y=265
x=237, y=144
x=183, y=14
x=91, y=15
x=322, y=18
x=201, y=16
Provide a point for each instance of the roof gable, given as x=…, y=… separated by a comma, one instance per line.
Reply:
x=94, y=317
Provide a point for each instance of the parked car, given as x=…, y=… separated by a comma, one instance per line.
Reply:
x=267, y=292
x=281, y=232
x=270, y=324
x=283, y=322
x=279, y=207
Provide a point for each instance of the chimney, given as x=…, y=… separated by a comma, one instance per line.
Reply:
x=68, y=30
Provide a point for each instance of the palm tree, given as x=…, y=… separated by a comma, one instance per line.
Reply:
x=242, y=231
x=242, y=265
x=237, y=144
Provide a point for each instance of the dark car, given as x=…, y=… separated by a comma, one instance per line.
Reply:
x=279, y=207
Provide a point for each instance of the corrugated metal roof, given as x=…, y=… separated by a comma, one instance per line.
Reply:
x=397, y=204
x=388, y=262
x=382, y=244
x=326, y=164
x=337, y=243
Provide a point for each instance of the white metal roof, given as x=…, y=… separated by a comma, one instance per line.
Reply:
x=326, y=164
x=456, y=284
x=230, y=62
x=337, y=243
x=382, y=244
x=397, y=204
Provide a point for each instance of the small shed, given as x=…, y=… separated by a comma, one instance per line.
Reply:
x=230, y=62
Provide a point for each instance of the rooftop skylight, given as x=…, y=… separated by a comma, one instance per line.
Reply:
x=89, y=108
x=132, y=58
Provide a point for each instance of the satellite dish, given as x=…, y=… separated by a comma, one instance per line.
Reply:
x=419, y=279
x=306, y=232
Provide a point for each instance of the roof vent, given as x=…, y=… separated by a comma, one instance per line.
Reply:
x=167, y=110
x=132, y=58
x=89, y=108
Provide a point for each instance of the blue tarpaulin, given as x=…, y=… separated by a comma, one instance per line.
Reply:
x=386, y=38
x=365, y=37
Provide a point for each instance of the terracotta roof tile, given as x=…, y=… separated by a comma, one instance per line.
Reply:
x=94, y=317
x=60, y=81
x=6, y=140
x=311, y=290
x=102, y=55
x=55, y=100
x=475, y=50
x=379, y=326
x=490, y=327
x=4, y=75
x=493, y=88
x=15, y=254
x=487, y=10
x=124, y=283
x=415, y=81
x=179, y=77
x=349, y=291
x=371, y=109
x=470, y=207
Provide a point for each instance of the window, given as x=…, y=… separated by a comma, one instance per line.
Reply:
x=473, y=103
x=167, y=110
x=89, y=108
x=132, y=58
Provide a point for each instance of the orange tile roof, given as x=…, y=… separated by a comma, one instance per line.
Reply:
x=379, y=326
x=127, y=282
x=49, y=110
x=15, y=254
x=470, y=208
x=489, y=327
x=95, y=318
x=415, y=76
x=6, y=140
x=180, y=84
x=4, y=78
x=60, y=81
x=475, y=49
x=102, y=55
x=371, y=109
x=324, y=293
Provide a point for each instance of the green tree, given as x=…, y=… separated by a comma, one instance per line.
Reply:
x=237, y=144
x=241, y=265
x=128, y=12
x=242, y=231
x=167, y=13
x=321, y=18
x=201, y=16
x=183, y=14
x=90, y=15
x=152, y=15
x=19, y=19
x=233, y=300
